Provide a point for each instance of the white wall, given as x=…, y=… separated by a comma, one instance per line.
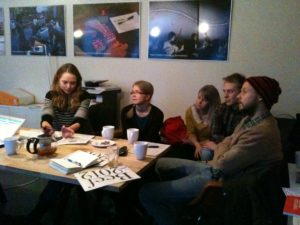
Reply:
x=265, y=40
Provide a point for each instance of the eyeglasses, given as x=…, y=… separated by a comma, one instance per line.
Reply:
x=137, y=93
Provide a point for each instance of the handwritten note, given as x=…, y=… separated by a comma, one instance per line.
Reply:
x=97, y=178
x=127, y=22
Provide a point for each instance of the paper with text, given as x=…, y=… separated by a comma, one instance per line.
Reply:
x=100, y=177
x=75, y=140
x=126, y=22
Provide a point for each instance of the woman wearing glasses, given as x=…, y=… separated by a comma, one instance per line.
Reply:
x=142, y=114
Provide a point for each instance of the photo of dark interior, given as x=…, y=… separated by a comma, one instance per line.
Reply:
x=37, y=30
x=201, y=30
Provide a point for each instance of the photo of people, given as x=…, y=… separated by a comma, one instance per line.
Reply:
x=2, y=44
x=197, y=30
x=37, y=30
x=107, y=30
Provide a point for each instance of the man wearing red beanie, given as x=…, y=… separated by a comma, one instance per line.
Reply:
x=251, y=142
x=254, y=146
x=267, y=88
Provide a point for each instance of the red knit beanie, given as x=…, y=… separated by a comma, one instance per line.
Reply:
x=267, y=88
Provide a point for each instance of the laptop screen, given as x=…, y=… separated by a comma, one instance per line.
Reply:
x=9, y=126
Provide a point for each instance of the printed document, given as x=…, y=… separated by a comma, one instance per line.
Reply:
x=100, y=177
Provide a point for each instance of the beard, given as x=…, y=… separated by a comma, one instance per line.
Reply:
x=250, y=109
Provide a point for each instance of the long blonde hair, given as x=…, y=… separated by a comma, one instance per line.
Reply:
x=60, y=99
x=212, y=96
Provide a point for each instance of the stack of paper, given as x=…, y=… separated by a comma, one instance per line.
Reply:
x=74, y=162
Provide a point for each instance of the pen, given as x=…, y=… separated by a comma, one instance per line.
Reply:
x=153, y=146
x=129, y=18
x=55, y=138
x=76, y=163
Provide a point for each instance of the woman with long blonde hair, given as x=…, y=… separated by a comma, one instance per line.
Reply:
x=66, y=104
x=66, y=109
x=198, y=118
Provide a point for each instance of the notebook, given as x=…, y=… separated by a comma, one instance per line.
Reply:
x=9, y=125
x=73, y=162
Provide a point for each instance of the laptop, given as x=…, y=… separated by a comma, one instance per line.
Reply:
x=9, y=125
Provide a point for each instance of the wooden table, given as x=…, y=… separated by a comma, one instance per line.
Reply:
x=37, y=166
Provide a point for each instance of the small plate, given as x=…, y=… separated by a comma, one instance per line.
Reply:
x=102, y=143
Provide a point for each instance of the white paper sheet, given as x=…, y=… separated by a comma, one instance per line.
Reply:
x=126, y=22
x=75, y=140
x=97, y=178
x=154, y=149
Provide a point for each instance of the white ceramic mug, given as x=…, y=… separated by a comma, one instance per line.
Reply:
x=140, y=149
x=11, y=145
x=108, y=132
x=132, y=135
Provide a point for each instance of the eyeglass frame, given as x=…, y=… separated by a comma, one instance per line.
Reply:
x=137, y=92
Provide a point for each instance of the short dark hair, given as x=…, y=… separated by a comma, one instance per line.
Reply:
x=171, y=35
x=235, y=78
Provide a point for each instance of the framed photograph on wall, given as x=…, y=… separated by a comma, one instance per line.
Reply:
x=195, y=30
x=107, y=30
x=2, y=41
x=38, y=30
